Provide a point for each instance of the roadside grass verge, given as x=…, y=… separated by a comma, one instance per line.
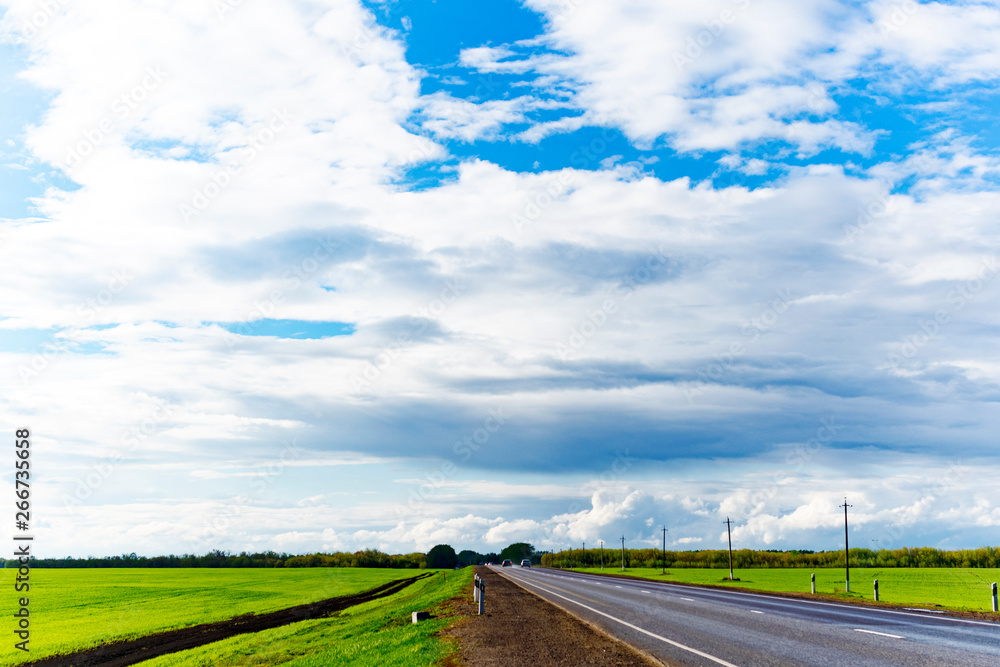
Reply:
x=960, y=589
x=375, y=633
x=76, y=609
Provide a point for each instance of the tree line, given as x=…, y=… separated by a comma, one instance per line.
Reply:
x=441, y=556
x=217, y=558
x=750, y=558
x=444, y=556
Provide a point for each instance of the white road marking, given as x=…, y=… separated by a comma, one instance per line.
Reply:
x=688, y=599
x=881, y=634
x=636, y=627
x=617, y=586
x=646, y=592
x=926, y=611
x=754, y=611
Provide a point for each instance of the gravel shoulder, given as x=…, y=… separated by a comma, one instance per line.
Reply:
x=519, y=628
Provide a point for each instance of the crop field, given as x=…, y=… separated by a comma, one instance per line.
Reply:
x=75, y=609
x=966, y=589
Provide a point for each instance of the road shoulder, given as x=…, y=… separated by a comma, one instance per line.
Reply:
x=520, y=628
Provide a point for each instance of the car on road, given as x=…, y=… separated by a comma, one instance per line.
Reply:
x=525, y=563
x=507, y=562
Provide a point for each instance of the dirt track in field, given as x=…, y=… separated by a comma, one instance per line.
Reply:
x=134, y=651
x=520, y=629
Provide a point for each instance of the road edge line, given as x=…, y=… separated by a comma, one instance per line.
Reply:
x=634, y=627
x=593, y=626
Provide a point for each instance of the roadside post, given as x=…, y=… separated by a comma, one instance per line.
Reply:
x=813, y=578
x=876, y=590
x=995, y=597
x=475, y=589
x=482, y=596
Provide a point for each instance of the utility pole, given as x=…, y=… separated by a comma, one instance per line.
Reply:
x=847, y=551
x=623, y=553
x=602, y=554
x=729, y=530
x=663, y=561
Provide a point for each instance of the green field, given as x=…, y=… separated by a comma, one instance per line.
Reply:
x=965, y=589
x=73, y=609
x=376, y=633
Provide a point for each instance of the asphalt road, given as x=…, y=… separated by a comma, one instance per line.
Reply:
x=683, y=625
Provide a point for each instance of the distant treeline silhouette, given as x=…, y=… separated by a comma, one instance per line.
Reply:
x=749, y=558
x=366, y=558
x=707, y=558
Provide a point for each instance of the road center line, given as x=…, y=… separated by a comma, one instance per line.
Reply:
x=688, y=599
x=754, y=611
x=882, y=634
x=634, y=627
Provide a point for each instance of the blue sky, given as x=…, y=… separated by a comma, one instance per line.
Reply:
x=316, y=275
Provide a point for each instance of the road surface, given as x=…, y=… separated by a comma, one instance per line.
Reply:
x=683, y=625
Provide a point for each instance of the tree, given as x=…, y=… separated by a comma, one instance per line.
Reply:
x=518, y=552
x=468, y=557
x=441, y=556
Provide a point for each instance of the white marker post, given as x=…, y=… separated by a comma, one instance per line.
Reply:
x=876, y=590
x=482, y=597
x=813, y=582
x=995, y=597
x=475, y=589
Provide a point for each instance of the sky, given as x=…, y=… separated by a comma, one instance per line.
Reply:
x=331, y=275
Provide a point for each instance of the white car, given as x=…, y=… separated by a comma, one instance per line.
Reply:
x=525, y=563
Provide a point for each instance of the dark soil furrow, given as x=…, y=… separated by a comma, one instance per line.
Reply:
x=133, y=651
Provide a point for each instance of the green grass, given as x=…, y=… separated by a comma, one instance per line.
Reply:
x=966, y=589
x=375, y=633
x=77, y=609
